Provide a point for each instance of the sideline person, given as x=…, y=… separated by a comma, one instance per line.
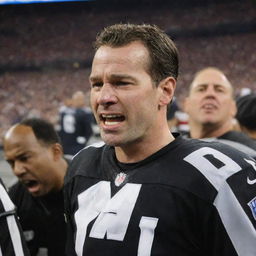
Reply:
x=75, y=127
x=33, y=150
x=246, y=114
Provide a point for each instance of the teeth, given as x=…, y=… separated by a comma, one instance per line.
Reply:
x=110, y=116
x=111, y=123
x=208, y=106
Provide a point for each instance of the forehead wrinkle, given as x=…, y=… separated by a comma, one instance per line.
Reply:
x=136, y=54
x=202, y=79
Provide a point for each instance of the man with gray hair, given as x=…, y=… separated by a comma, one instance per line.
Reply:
x=211, y=108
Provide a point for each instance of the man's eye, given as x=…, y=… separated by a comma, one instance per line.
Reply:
x=23, y=158
x=219, y=90
x=121, y=83
x=98, y=84
x=200, y=89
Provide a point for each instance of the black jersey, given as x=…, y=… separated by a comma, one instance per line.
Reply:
x=12, y=242
x=238, y=140
x=241, y=138
x=75, y=129
x=191, y=198
x=42, y=220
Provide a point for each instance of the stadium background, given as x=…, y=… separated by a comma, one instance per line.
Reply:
x=46, y=49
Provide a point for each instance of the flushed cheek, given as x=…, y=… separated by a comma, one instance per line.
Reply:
x=93, y=101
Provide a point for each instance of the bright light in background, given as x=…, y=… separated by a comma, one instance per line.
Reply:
x=38, y=1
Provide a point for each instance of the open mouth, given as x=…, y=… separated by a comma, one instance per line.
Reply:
x=209, y=106
x=31, y=185
x=112, y=119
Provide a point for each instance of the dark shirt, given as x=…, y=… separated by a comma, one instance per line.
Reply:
x=42, y=220
x=240, y=141
x=237, y=140
x=75, y=129
x=191, y=198
x=239, y=137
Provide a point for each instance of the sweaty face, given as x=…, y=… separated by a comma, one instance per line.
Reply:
x=210, y=100
x=30, y=160
x=123, y=97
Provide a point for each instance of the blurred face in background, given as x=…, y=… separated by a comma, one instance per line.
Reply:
x=33, y=162
x=78, y=99
x=210, y=101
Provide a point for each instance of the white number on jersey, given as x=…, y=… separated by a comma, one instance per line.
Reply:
x=113, y=216
x=214, y=174
x=69, y=123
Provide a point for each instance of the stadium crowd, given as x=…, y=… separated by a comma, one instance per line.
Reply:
x=52, y=50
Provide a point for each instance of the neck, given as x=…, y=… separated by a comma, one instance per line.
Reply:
x=62, y=166
x=199, y=131
x=137, y=151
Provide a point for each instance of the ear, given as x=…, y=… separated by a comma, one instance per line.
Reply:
x=57, y=151
x=166, y=88
x=186, y=105
x=233, y=109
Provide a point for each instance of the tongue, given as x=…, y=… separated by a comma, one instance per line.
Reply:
x=32, y=186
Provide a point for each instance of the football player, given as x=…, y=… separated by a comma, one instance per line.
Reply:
x=145, y=191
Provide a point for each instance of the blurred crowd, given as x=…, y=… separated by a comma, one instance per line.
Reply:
x=45, y=52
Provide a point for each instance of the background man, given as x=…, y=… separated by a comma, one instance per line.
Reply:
x=146, y=192
x=246, y=114
x=33, y=150
x=211, y=108
x=75, y=124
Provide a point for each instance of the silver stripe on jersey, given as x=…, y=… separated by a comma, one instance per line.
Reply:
x=234, y=144
x=11, y=222
x=235, y=220
x=97, y=144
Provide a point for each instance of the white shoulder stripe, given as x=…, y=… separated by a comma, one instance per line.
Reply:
x=15, y=235
x=6, y=201
x=236, y=222
x=98, y=144
x=11, y=222
x=215, y=175
x=233, y=216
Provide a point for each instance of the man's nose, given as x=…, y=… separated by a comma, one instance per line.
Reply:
x=210, y=91
x=18, y=169
x=107, y=95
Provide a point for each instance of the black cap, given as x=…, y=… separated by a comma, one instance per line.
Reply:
x=246, y=111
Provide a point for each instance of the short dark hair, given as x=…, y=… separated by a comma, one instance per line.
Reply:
x=163, y=53
x=246, y=111
x=43, y=130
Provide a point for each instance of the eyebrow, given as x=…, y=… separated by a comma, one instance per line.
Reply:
x=113, y=77
x=206, y=84
x=19, y=155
